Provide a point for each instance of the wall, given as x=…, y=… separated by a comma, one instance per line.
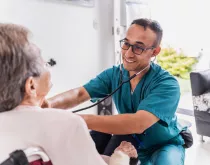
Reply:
x=185, y=26
x=72, y=35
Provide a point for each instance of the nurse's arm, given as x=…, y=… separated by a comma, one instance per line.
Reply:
x=122, y=123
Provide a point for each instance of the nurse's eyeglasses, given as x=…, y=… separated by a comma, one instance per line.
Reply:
x=136, y=49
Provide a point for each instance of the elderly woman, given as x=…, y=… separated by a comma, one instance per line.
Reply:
x=24, y=83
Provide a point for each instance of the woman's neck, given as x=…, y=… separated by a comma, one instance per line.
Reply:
x=31, y=102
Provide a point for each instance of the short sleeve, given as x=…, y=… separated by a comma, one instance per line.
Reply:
x=162, y=100
x=100, y=86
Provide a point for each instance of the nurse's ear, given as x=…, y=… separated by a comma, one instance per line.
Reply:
x=156, y=51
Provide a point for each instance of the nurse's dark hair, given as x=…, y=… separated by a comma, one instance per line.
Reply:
x=18, y=61
x=153, y=25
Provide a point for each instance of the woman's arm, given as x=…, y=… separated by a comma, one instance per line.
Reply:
x=68, y=99
x=121, y=155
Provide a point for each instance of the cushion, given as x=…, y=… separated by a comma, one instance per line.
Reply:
x=202, y=102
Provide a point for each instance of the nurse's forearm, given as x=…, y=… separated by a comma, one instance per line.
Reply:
x=69, y=99
x=115, y=124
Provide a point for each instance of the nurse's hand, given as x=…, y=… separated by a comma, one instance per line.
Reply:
x=128, y=149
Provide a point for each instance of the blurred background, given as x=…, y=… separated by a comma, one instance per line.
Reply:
x=82, y=36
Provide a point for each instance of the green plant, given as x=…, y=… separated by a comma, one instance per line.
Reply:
x=177, y=63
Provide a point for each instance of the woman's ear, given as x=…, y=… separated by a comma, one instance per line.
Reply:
x=156, y=51
x=30, y=86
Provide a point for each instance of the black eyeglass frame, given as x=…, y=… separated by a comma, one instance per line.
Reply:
x=133, y=46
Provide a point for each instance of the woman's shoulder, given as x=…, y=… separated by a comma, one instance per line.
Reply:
x=60, y=114
x=46, y=115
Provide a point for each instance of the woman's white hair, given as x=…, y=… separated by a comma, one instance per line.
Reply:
x=18, y=61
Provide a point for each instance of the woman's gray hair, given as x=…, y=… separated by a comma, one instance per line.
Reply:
x=18, y=61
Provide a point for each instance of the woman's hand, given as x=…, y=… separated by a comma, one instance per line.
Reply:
x=128, y=149
x=45, y=104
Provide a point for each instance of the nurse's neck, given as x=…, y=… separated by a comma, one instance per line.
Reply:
x=138, y=78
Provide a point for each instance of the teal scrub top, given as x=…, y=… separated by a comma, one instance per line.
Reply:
x=158, y=92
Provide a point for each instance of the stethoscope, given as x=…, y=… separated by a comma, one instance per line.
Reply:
x=121, y=83
x=52, y=62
